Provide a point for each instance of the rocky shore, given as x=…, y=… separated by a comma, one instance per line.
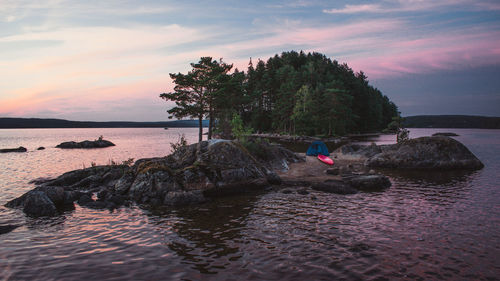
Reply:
x=190, y=175
x=198, y=172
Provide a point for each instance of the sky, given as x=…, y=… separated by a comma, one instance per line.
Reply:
x=99, y=60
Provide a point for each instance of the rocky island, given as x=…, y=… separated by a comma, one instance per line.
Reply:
x=197, y=172
x=19, y=149
x=99, y=143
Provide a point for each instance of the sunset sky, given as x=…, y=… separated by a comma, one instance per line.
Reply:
x=109, y=60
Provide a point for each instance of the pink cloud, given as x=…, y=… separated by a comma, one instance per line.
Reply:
x=431, y=54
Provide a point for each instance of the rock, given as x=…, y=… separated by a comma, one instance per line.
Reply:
x=302, y=191
x=72, y=196
x=273, y=178
x=99, y=205
x=357, y=151
x=7, y=228
x=345, y=170
x=273, y=156
x=181, y=198
x=442, y=153
x=100, y=143
x=42, y=180
x=85, y=200
x=334, y=186
x=40, y=148
x=19, y=149
x=286, y=191
x=84, y=178
x=369, y=182
x=56, y=194
x=118, y=200
x=38, y=204
x=332, y=171
x=189, y=175
x=446, y=134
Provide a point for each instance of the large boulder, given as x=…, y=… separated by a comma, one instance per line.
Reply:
x=100, y=143
x=437, y=152
x=38, y=204
x=357, y=151
x=19, y=149
x=209, y=168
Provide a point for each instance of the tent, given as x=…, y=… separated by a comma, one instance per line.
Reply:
x=317, y=147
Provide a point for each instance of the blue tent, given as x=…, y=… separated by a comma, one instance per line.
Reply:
x=317, y=147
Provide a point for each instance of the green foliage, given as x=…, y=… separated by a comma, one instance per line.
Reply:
x=402, y=134
x=197, y=93
x=181, y=142
x=239, y=131
x=291, y=93
x=298, y=93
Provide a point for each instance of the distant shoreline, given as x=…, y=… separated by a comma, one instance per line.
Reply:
x=39, y=123
x=452, y=122
x=419, y=121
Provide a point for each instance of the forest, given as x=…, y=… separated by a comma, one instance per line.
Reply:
x=293, y=93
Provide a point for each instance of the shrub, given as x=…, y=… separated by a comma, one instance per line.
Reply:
x=181, y=142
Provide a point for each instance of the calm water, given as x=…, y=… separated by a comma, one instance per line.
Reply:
x=428, y=226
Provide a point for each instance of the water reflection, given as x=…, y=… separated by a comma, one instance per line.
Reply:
x=207, y=236
x=433, y=178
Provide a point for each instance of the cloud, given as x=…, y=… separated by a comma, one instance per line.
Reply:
x=432, y=54
x=392, y=6
x=107, y=56
x=353, y=9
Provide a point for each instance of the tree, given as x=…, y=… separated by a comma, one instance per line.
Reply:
x=289, y=93
x=195, y=91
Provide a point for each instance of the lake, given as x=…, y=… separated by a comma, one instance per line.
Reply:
x=427, y=226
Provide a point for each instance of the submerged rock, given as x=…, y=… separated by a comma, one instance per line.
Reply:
x=369, y=182
x=19, y=149
x=100, y=143
x=7, y=228
x=334, y=186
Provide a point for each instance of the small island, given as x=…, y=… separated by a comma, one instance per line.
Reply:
x=250, y=110
x=98, y=143
x=19, y=149
x=195, y=173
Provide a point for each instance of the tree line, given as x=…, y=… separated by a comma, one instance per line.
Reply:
x=292, y=93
